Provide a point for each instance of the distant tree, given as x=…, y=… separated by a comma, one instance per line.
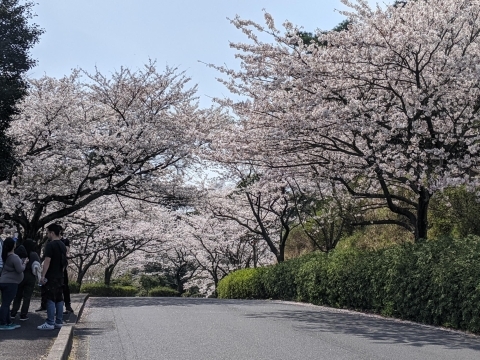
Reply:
x=17, y=37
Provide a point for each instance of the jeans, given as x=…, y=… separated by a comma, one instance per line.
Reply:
x=24, y=291
x=9, y=291
x=54, y=295
x=54, y=312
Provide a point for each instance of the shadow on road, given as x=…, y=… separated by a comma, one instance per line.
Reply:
x=387, y=331
x=166, y=301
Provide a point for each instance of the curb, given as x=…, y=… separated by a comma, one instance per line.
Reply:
x=63, y=343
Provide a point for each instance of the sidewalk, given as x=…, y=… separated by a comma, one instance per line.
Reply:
x=29, y=343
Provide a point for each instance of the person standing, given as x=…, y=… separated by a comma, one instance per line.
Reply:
x=2, y=227
x=66, y=289
x=12, y=275
x=43, y=302
x=26, y=287
x=52, y=277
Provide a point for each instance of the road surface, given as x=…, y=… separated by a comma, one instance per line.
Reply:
x=187, y=328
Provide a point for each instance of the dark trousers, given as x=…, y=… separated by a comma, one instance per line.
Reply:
x=66, y=290
x=9, y=291
x=24, y=291
x=66, y=293
x=43, y=294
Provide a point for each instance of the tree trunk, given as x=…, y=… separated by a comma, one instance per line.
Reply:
x=108, y=274
x=421, y=227
x=80, y=276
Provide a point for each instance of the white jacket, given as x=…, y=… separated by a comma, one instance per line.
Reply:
x=37, y=270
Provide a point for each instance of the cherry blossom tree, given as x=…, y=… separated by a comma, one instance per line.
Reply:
x=261, y=203
x=111, y=229
x=87, y=136
x=218, y=246
x=388, y=108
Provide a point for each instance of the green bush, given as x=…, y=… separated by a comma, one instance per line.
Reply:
x=74, y=287
x=124, y=280
x=148, y=282
x=100, y=289
x=434, y=282
x=162, y=291
x=242, y=284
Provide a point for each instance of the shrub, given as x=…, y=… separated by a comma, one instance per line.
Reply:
x=434, y=282
x=242, y=284
x=100, y=289
x=148, y=282
x=124, y=280
x=74, y=287
x=162, y=291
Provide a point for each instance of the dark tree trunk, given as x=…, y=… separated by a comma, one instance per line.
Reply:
x=421, y=227
x=108, y=274
x=80, y=276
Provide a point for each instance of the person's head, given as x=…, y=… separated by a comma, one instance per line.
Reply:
x=29, y=245
x=8, y=247
x=2, y=227
x=54, y=231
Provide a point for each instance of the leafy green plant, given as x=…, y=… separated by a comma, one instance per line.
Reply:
x=100, y=289
x=161, y=291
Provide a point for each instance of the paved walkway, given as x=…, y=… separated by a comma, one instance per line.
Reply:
x=27, y=342
x=209, y=329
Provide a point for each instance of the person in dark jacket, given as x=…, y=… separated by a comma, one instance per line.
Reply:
x=26, y=287
x=12, y=275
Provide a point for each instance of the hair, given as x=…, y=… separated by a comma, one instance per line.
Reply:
x=29, y=245
x=57, y=229
x=8, y=245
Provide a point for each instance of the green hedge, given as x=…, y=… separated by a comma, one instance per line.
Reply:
x=434, y=282
x=74, y=287
x=243, y=284
x=100, y=289
x=160, y=291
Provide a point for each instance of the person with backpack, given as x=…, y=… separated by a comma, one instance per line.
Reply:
x=12, y=275
x=26, y=287
x=66, y=289
x=2, y=227
x=52, y=277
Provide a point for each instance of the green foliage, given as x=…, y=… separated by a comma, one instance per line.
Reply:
x=17, y=37
x=74, y=287
x=100, y=289
x=149, y=282
x=434, y=282
x=454, y=212
x=124, y=280
x=162, y=291
x=242, y=284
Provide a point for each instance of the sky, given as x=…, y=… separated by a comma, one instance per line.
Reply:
x=108, y=34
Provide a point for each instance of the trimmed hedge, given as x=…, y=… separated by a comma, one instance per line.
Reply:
x=100, y=289
x=161, y=291
x=74, y=287
x=434, y=282
x=243, y=284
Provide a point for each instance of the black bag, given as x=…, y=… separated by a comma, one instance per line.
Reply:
x=64, y=257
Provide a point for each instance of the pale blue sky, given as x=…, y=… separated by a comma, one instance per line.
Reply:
x=112, y=33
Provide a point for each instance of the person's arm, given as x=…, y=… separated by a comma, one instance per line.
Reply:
x=46, y=265
x=18, y=264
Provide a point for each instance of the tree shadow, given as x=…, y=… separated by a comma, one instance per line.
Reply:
x=167, y=301
x=373, y=328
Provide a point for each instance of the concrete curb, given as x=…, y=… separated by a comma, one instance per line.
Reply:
x=63, y=343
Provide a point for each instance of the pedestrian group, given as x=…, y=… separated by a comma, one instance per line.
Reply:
x=21, y=268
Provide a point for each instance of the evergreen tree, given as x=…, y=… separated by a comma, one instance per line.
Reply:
x=17, y=37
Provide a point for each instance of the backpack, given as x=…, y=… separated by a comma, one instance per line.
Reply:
x=64, y=257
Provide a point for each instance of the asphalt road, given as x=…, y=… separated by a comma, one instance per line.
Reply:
x=182, y=328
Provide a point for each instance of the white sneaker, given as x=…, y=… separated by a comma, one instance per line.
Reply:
x=46, y=326
x=58, y=326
